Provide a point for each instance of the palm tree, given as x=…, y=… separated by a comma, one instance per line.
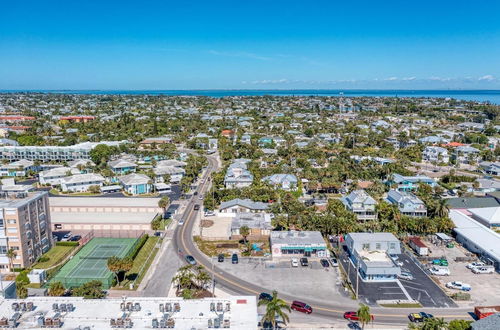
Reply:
x=11, y=254
x=441, y=209
x=163, y=203
x=184, y=278
x=202, y=278
x=275, y=308
x=364, y=315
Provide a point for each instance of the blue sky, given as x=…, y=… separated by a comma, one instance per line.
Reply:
x=250, y=44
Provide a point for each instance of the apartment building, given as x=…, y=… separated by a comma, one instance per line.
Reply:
x=56, y=153
x=24, y=228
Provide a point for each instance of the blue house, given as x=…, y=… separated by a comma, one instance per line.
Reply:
x=122, y=166
x=410, y=183
x=136, y=184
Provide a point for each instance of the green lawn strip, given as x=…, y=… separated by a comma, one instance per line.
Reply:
x=55, y=255
x=416, y=305
x=140, y=261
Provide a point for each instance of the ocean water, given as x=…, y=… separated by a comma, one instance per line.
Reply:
x=491, y=96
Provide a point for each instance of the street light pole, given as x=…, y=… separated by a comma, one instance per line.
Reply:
x=357, y=278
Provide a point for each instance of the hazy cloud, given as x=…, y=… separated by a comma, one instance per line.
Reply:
x=487, y=77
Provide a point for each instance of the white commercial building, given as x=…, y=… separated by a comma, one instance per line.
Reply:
x=298, y=244
x=103, y=214
x=476, y=237
x=234, y=312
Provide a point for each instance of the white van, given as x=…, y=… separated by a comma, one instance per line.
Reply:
x=488, y=269
x=440, y=271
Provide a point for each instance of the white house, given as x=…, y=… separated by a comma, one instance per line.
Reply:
x=81, y=182
x=435, y=154
x=54, y=176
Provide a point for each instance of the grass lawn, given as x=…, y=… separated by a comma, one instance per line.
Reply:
x=416, y=305
x=143, y=259
x=227, y=247
x=55, y=255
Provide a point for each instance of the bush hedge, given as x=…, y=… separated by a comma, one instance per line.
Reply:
x=139, y=245
x=43, y=259
x=67, y=243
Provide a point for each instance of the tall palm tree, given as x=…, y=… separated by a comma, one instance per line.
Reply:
x=275, y=307
x=163, y=203
x=441, y=209
x=11, y=255
x=364, y=315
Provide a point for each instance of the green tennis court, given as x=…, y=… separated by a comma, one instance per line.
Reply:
x=90, y=263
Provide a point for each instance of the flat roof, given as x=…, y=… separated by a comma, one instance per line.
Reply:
x=104, y=201
x=102, y=218
x=483, y=237
x=96, y=313
x=297, y=237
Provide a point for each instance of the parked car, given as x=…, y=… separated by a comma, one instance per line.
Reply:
x=353, y=316
x=195, y=193
x=420, y=317
x=196, y=207
x=265, y=296
x=440, y=262
x=440, y=271
x=301, y=307
x=220, y=258
x=473, y=265
x=484, y=270
x=458, y=286
x=209, y=213
x=334, y=262
x=75, y=238
x=295, y=262
x=406, y=276
x=66, y=237
x=190, y=260
x=324, y=263
x=234, y=258
x=304, y=262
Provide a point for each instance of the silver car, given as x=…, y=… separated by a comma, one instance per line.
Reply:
x=406, y=276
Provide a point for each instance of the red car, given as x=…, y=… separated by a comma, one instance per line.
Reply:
x=353, y=316
x=301, y=307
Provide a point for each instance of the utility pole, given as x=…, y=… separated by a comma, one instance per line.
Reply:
x=213, y=278
x=357, y=277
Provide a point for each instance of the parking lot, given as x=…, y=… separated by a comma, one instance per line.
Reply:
x=421, y=288
x=313, y=281
x=485, y=287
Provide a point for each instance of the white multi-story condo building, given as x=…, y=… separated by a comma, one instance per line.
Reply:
x=57, y=153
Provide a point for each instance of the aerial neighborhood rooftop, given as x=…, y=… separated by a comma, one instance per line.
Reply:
x=214, y=205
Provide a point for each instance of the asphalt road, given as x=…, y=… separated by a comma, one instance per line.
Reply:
x=183, y=243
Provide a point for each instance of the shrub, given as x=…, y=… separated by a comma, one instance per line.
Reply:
x=67, y=243
x=43, y=259
x=461, y=296
x=138, y=246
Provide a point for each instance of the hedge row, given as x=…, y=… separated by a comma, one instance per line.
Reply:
x=67, y=243
x=138, y=246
